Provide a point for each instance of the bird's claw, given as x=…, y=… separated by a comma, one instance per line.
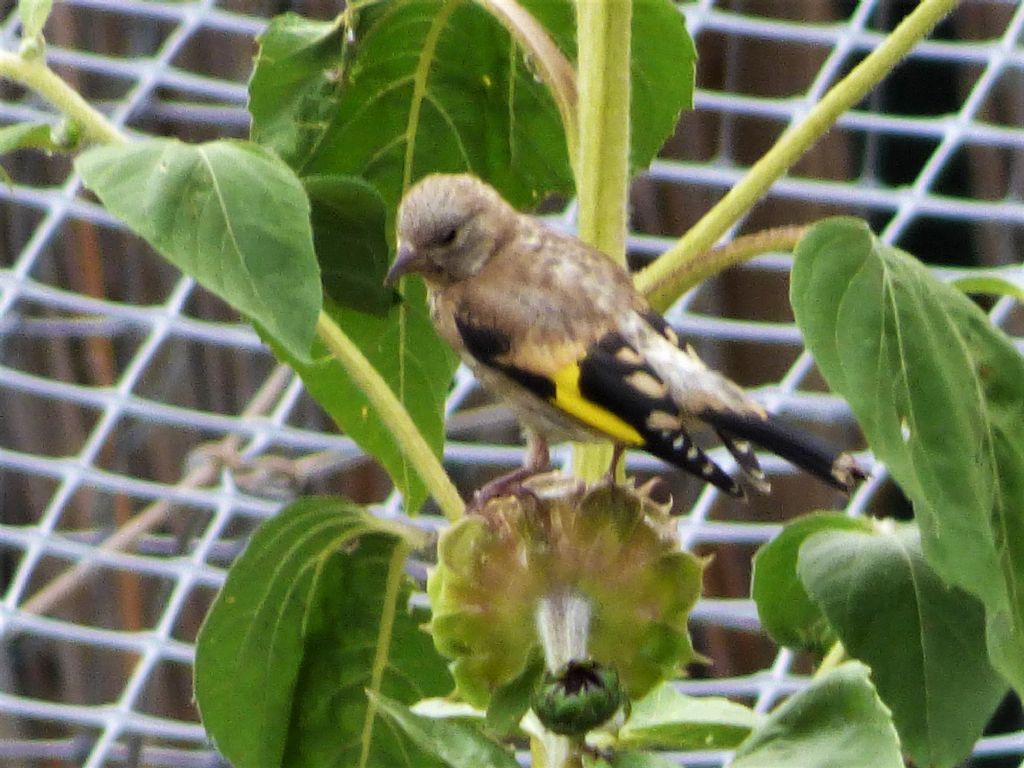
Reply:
x=508, y=485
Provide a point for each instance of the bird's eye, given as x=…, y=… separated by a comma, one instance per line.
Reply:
x=447, y=237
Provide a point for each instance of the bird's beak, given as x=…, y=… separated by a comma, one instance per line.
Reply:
x=406, y=261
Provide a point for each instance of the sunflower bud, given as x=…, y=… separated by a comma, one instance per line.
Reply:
x=578, y=698
x=609, y=546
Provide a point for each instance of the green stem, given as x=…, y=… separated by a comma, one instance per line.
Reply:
x=35, y=75
x=553, y=751
x=602, y=169
x=835, y=656
x=656, y=279
x=691, y=272
x=394, y=416
x=602, y=176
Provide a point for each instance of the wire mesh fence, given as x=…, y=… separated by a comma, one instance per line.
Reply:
x=145, y=431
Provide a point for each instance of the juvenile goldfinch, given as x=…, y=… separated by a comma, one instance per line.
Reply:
x=557, y=330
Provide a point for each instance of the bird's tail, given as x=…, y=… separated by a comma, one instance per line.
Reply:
x=679, y=449
x=805, y=450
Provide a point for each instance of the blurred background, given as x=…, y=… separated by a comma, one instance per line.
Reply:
x=144, y=430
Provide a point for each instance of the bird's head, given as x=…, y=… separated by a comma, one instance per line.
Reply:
x=449, y=226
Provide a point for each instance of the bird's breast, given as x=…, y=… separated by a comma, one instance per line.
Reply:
x=442, y=315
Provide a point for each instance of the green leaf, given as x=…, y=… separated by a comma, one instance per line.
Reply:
x=229, y=213
x=1000, y=281
x=404, y=348
x=297, y=634
x=629, y=760
x=448, y=709
x=463, y=712
x=667, y=719
x=783, y=605
x=33, y=15
x=26, y=136
x=424, y=86
x=511, y=701
x=457, y=744
x=939, y=393
x=924, y=642
x=348, y=218
x=296, y=84
x=838, y=721
x=664, y=68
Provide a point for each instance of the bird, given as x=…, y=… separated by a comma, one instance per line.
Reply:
x=557, y=330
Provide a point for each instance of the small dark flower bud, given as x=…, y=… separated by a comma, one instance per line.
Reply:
x=578, y=698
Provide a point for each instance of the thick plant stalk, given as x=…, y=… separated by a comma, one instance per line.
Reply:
x=394, y=416
x=602, y=170
x=602, y=177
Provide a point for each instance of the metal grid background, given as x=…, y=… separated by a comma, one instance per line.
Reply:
x=144, y=431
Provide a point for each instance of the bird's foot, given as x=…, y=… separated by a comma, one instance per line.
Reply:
x=611, y=477
x=506, y=485
x=537, y=461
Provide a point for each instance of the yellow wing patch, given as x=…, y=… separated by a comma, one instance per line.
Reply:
x=569, y=399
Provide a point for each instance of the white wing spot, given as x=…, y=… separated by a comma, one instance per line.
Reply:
x=646, y=384
x=629, y=356
x=662, y=421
